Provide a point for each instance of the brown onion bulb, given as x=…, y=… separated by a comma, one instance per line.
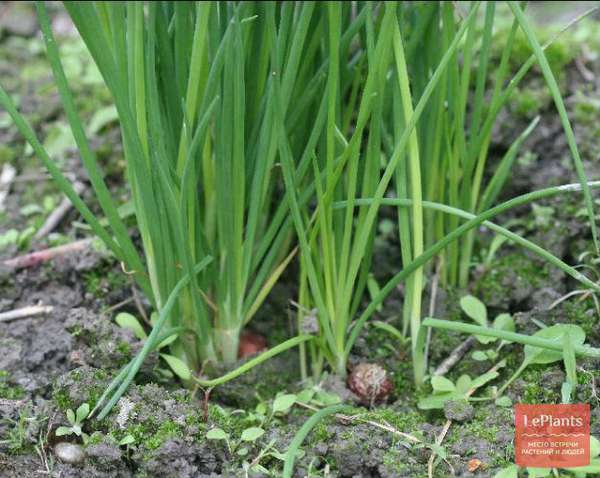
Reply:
x=370, y=383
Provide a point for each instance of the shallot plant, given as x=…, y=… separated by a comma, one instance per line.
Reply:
x=193, y=85
x=419, y=146
x=256, y=133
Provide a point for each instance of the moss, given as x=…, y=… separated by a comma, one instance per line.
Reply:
x=139, y=431
x=586, y=110
x=94, y=394
x=8, y=391
x=76, y=330
x=559, y=53
x=78, y=387
x=478, y=428
x=402, y=377
x=7, y=154
x=18, y=439
x=536, y=390
x=407, y=422
x=588, y=380
x=166, y=431
x=125, y=349
x=62, y=399
x=521, y=270
x=582, y=314
x=100, y=281
x=150, y=431
x=100, y=374
x=320, y=433
x=232, y=423
x=92, y=283
x=528, y=102
x=149, y=434
x=392, y=463
x=95, y=438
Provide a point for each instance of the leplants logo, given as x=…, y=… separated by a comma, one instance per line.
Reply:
x=552, y=436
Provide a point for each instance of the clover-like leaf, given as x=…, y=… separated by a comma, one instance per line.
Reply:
x=537, y=355
x=216, y=434
x=504, y=322
x=128, y=321
x=538, y=472
x=127, y=440
x=306, y=395
x=82, y=412
x=326, y=398
x=442, y=384
x=437, y=401
x=252, y=434
x=283, y=403
x=464, y=384
x=475, y=309
x=178, y=366
x=486, y=377
x=62, y=431
x=479, y=356
x=71, y=417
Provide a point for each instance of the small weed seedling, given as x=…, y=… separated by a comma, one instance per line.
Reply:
x=571, y=336
x=548, y=345
x=259, y=418
x=178, y=366
x=477, y=311
x=445, y=390
x=16, y=437
x=75, y=420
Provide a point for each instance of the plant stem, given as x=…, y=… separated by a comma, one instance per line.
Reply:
x=288, y=344
x=581, y=350
x=227, y=342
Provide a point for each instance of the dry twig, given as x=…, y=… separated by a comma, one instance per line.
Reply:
x=454, y=357
x=58, y=214
x=7, y=176
x=25, y=312
x=39, y=257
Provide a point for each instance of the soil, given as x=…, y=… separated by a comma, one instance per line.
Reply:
x=53, y=363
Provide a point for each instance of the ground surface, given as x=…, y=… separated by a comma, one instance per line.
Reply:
x=55, y=362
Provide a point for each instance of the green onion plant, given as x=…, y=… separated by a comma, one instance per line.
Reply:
x=430, y=127
x=257, y=133
x=193, y=86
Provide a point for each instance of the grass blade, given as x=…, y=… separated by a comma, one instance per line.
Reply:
x=562, y=112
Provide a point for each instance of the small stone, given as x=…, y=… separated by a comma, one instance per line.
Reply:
x=474, y=465
x=321, y=449
x=69, y=453
x=459, y=411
